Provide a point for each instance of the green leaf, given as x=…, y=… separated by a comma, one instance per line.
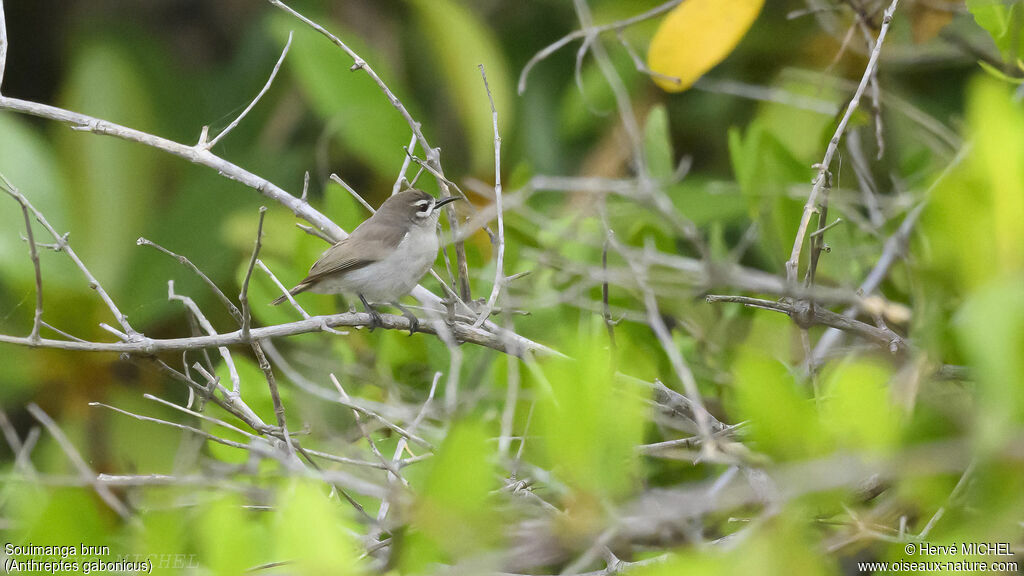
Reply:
x=589, y=425
x=765, y=170
x=311, y=531
x=856, y=408
x=227, y=536
x=991, y=331
x=358, y=114
x=454, y=515
x=1004, y=21
x=997, y=73
x=975, y=222
x=783, y=421
x=658, y=144
x=459, y=42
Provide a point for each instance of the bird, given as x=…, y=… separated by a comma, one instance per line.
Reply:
x=384, y=258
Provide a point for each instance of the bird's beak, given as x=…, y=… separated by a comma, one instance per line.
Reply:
x=447, y=200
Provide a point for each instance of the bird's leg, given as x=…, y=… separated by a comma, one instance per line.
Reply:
x=414, y=322
x=375, y=320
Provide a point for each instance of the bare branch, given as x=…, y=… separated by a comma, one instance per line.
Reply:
x=894, y=248
x=354, y=194
x=191, y=306
x=194, y=154
x=3, y=43
x=281, y=287
x=661, y=331
x=820, y=181
x=499, y=266
x=243, y=296
x=501, y=341
x=30, y=237
x=205, y=157
x=883, y=336
x=591, y=31
x=61, y=244
x=266, y=87
x=275, y=395
x=405, y=166
x=389, y=465
x=385, y=505
x=232, y=309
x=183, y=427
x=84, y=470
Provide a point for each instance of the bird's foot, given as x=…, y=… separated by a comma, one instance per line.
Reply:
x=414, y=322
x=375, y=318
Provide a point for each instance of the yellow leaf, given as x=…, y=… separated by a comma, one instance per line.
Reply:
x=697, y=35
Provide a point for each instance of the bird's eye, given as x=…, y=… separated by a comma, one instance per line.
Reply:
x=424, y=208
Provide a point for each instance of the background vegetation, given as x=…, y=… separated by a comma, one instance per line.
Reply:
x=641, y=244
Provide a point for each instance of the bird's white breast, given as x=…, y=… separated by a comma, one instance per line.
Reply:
x=392, y=277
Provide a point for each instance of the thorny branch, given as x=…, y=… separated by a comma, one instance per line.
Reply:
x=821, y=180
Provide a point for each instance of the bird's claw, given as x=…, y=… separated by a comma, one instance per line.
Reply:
x=376, y=321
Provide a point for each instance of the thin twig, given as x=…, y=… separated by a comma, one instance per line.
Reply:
x=275, y=395
x=591, y=31
x=191, y=306
x=661, y=331
x=184, y=427
x=403, y=444
x=606, y=307
x=30, y=237
x=499, y=272
x=228, y=304
x=62, y=245
x=639, y=64
x=194, y=154
x=3, y=43
x=389, y=465
x=824, y=317
x=84, y=470
x=894, y=248
x=354, y=194
x=243, y=296
x=305, y=178
x=820, y=181
x=405, y=166
x=961, y=485
x=281, y=288
x=266, y=87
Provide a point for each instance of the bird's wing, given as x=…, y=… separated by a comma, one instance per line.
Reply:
x=374, y=244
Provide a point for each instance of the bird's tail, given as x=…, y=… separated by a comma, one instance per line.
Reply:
x=293, y=292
